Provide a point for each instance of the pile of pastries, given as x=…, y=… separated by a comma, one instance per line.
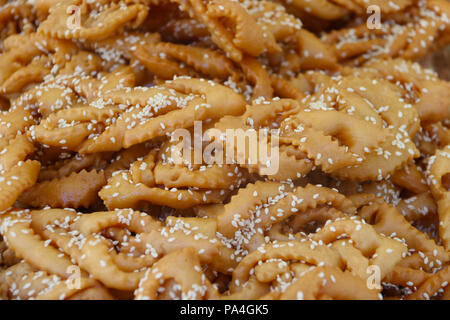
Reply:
x=95, y=205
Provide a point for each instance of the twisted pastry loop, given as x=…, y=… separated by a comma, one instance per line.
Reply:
x=350, y=158
x=410, y=178
x=407, y=277
x=98, y=20
x=249, y=35
x=71, y=128
x=166, y=60
x=308, y=221
x=433, y=285
x=212, y=106
x=240, y=207
x=20, y=235
x=427, y=20
x=84, y=239
x=418, y=207
x=28, y=58
x=262, y=115
x=432, y=137
x=326, y=283
x=245, y=224
x=16, y=180
x=79, y=237
x=337, y=9
x=16, y=17
x=428, y=94
x=258, y=76
x=380, y=251
x=438, y=180
x=22, y=281
x=120, y=48
x=387, y=220
x=189, y=283
x=188, y=174
x=59, y=193
x=397, y=147
x=271, y=261
x=157, y=111
x=305, y=131
x=16, y=173
x=152, y=239
x=126, y=189
x=65, y=167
